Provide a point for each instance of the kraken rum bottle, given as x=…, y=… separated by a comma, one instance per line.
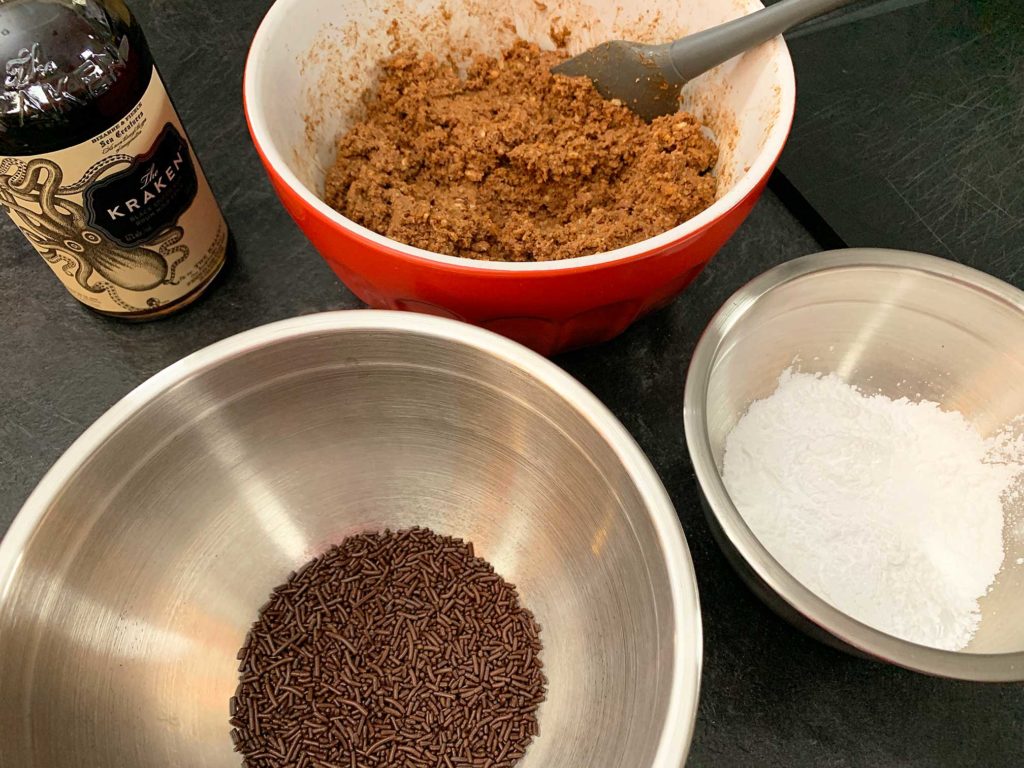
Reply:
x=95, y=166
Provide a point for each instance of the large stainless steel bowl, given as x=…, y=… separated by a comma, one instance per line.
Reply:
x=899, y=323
x=130, y=577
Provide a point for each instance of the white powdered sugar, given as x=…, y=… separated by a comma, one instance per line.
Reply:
x=890, y=510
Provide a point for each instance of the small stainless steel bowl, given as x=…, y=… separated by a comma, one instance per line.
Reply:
x=899, y=323
x=130, y=577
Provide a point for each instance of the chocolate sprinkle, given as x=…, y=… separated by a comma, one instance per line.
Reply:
x=392, y=649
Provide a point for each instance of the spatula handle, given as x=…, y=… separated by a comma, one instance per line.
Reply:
x=695, y=54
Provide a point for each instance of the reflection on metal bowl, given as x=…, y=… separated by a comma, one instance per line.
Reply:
x=132, y=574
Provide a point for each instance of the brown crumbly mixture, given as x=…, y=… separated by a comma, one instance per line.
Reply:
x=513, y=163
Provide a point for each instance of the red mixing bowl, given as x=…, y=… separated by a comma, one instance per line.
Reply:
x=311, y=60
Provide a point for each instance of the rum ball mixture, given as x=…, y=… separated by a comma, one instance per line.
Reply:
x=513, y=163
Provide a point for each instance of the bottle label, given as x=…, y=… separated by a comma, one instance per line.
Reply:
x=133, y=205
x=126, y=220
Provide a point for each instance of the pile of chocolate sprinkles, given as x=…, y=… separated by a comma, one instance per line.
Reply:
x=392, y=649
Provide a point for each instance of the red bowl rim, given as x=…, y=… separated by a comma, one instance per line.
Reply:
x=721, y=209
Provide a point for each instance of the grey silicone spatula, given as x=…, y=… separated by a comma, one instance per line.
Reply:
x=648, y=78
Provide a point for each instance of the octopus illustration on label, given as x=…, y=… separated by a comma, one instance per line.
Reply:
x=134, y=232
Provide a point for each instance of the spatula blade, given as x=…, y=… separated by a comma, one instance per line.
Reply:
x=628, y=72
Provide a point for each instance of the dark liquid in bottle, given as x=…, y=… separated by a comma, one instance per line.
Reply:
x=72, y=70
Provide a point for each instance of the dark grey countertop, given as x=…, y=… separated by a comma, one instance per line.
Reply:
x=770, y=696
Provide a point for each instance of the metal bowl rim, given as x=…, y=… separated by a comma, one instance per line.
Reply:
x=1001, y=667
x=680, y=718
